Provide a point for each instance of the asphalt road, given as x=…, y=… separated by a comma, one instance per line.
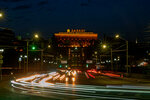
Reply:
x=8, y=93
x=49, y=86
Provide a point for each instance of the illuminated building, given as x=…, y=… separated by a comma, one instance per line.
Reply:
x=73, y=46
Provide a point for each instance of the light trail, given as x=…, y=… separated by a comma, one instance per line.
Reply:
x=62, y=77
x=86, y=89
x=74, y=73
x=78, y=95
x=92, y=88
x=67, y=79
x=56, y=77
x=111, y=75
x=44, y=82
x=27, y=78
x=91, y=75
x=41, y=83
x=86, y=75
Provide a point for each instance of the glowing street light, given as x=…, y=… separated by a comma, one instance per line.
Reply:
x=49, y=46
x=127, y=62
x=1, y=50
x=117, y=36
x=33, y=48
x=25, y=56
x=1, y=15
x=21, y=56
x=36, y=36
x=104, y=46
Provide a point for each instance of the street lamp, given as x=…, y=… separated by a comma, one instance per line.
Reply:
x=1, y=15
x=104, y=46
x=33, y=48
x=36, y=36
x=117, y=36
x=49, y=46
x=1, y=62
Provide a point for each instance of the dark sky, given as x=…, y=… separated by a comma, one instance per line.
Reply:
x=128, y=17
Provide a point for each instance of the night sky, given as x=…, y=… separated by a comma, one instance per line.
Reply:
x=127, y=17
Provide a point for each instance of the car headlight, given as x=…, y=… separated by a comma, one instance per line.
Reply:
x=66, y=79
x=73, y=79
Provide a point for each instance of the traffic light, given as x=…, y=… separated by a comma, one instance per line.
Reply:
x=87, y=65
x=18, y=49
x=21, y=50
x=33, y=47
x=60, y=66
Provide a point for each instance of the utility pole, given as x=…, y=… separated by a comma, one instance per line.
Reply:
x=19, y=64
x=42, y=59
x=1, y=62
x=27, y=55
x=24, y=65
x=127, y=63
x=111, y=60
x=127, y=57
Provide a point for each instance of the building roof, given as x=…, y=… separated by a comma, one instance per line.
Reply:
x=77, y=34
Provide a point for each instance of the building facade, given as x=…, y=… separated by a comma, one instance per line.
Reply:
x=75, y=47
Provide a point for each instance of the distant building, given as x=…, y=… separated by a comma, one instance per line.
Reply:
x=147, y=34
x=9, y=55
x=74, y=45
x=6, y=36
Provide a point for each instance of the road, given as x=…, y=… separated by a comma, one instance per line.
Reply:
x=55, y=85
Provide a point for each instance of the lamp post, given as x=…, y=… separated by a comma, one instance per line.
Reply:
x=27, y=55
x=111, y=60
x=1, y=62
x=42, y=59
x=36, y=36
x=104, y=47
x=27, y=52
x=127, y=55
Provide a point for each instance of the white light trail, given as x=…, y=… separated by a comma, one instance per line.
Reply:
x=62, y=77
x=35, y=82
